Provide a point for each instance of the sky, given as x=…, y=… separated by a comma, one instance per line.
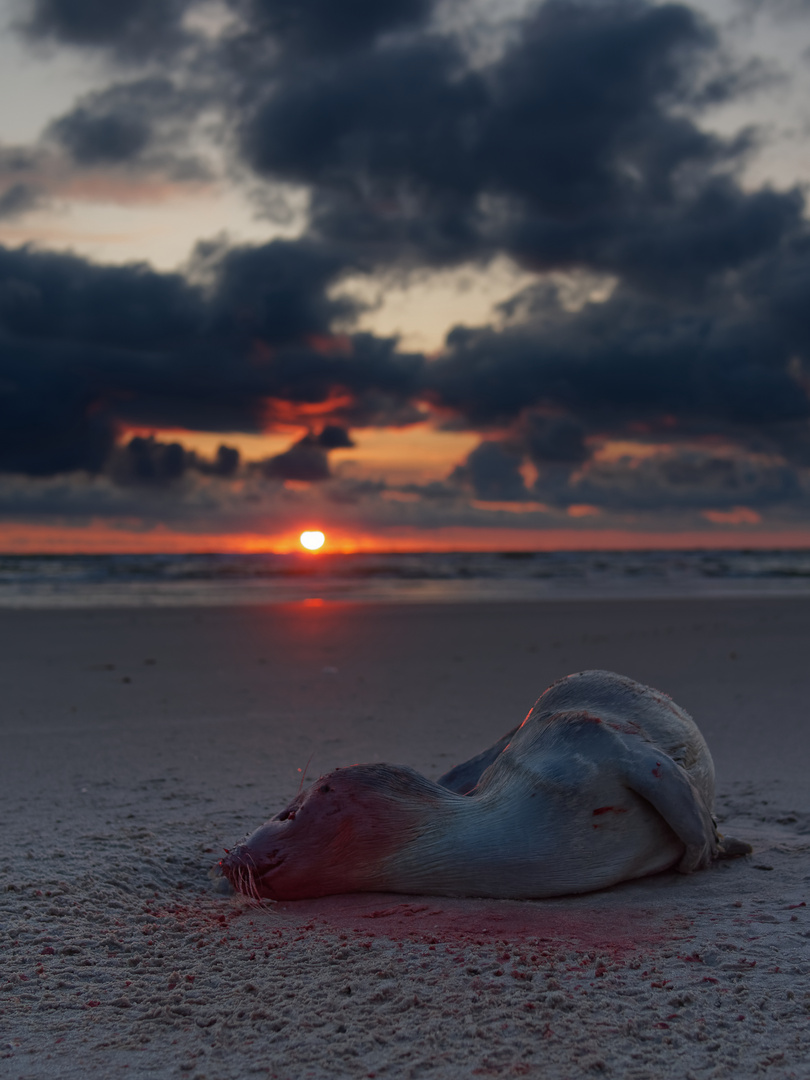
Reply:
x=423, y=275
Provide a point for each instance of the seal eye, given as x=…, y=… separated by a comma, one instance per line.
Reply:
x=324, y=789
x=285, y=814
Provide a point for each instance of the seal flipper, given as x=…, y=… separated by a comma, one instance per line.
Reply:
x=662, y=782
x=730, y=848
x=463, y=778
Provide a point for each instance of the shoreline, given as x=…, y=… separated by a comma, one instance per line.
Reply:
x=329, y=593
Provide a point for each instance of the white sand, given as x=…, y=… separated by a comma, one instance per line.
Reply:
x=136, y=744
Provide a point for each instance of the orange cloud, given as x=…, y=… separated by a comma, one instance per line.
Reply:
x=578, y=510
x=509, y=507
x=331, y=344
x=738, y=515
x=278, y=411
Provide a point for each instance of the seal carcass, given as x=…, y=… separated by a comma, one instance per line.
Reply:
x=605, y=780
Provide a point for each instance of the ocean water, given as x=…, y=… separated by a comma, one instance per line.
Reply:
x=188, y=580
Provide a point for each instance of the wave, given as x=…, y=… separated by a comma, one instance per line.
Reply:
x=455, y=577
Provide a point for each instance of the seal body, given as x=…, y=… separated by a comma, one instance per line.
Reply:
x=605, y=780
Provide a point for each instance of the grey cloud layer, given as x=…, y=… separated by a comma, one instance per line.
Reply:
x=578, y=147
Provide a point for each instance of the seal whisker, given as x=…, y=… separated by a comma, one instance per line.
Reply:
x=304, y=773
x=251, y=882
x=244, y=882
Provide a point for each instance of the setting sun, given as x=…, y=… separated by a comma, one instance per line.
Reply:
x=312, y=540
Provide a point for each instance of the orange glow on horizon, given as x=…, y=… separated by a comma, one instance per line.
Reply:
x=100, y=538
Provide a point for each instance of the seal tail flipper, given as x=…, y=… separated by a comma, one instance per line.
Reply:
x=662, y=782
x=730, y=848
x=463, y=778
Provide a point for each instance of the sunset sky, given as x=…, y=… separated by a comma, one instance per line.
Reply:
x=466, y=274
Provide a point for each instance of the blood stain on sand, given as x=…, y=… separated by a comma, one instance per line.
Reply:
x=483, y=922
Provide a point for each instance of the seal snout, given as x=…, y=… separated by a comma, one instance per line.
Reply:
x=246, y=865
x=237, y=865
x=235, y=859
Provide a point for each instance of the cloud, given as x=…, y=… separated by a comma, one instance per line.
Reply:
x=318, y=27
x=566, y=151
x=554, y=439
x=48, y=423
x=579, y=144
x=334, y=437
x=18, y=200
x=306, y=461
x=492, y=471
x=139, y=30
x=723, y=362
x=277, y=293
x=46, y=175
x=152, y=462
x=133, y=29
x=557, y=384
x=93, y=140
x=688, y=479
x=143, y=123
x=21, y=189
x=781, y=9
x=85, y=349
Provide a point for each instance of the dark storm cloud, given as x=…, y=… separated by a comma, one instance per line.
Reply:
x=19, y=190
x=306, y=460
x=554, y=445
x=554, y=439
x=689, y=480
x=138, y=29
x=492, y=473
x=393, y=114
x=276, y=293
x=139, y=122
x=18, y=199
x=67, y=300
x=566, y=151
x=48, y=420
x=148, y=461
x=86, y=348
x=101, y=139
x=581, y=145
x=134, y=29
x=323, y=26
x=334, y=437
x=684, y=478
x=630, y=358
x=734, y=366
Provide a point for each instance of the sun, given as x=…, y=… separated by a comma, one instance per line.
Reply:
x=312, y=541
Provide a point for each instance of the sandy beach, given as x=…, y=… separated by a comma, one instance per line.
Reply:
x=137, y=743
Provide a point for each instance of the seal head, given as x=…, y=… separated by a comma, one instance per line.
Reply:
x=336, y=836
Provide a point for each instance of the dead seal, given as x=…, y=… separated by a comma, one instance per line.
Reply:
x=604, y=781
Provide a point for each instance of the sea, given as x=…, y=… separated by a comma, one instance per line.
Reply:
x=77, y=581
